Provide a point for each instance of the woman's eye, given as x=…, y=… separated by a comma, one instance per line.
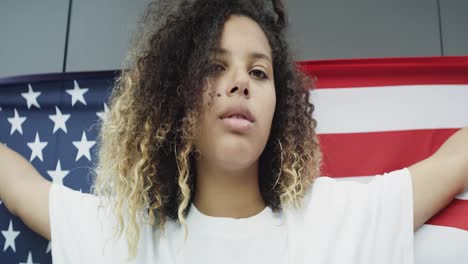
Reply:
x=260, y=74
x=257, y=73
x=217, y=67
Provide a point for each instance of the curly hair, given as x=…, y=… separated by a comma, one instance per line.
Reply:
x=146, y=153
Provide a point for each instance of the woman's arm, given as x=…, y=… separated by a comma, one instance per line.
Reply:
x=440, y=177
x=24, y=191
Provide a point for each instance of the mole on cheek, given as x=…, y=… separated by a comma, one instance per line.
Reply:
x=218, y=95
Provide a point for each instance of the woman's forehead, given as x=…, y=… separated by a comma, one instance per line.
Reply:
x=254, y=54
x=242, y=35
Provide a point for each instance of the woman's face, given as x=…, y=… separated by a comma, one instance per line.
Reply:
x=243, y=84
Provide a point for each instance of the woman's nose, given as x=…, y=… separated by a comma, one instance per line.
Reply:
x=241, y=87
x=237, y=89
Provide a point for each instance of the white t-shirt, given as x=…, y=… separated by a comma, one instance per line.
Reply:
x=339, y=222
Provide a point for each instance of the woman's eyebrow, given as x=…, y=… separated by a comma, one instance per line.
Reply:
x=256, y=55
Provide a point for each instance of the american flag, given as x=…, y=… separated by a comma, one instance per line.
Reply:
x=380, y=115
x=374, y=116
x=51, y=120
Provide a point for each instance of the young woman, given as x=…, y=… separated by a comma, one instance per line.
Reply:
x=209, y=155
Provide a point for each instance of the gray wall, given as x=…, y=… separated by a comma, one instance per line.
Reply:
x=33, y=33
x=32, y=36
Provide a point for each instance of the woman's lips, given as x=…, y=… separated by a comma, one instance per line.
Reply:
x=237, y=124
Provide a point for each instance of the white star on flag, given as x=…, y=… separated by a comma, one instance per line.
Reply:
x=36, y=148
x=58, y=174
x=103, y=115
x=10, y=236
x=59, y=120
x=77, y=94
x=83, y=147
x=30, y=260
x=16, y=123
x=31, y=97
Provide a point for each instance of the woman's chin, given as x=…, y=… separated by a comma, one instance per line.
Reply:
x=231, y=152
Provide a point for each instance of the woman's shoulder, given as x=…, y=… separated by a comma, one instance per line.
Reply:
x=370, y=214
x=344, y=185
x=329, y=193
x=76, y=216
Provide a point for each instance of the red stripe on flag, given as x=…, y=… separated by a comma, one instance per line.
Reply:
x=372, y=153
x=454, y=215
x=389, y=71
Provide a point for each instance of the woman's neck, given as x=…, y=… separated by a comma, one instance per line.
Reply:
x=227, y=193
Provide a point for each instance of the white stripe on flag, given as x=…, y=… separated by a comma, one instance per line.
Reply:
x=390, y=108
x=440, y=244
